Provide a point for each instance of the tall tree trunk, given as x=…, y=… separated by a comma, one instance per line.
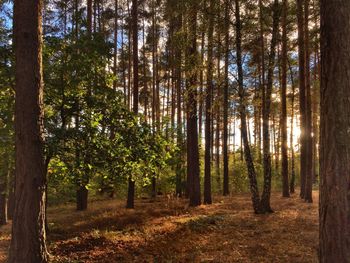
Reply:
x=89, y=17
x=242, y=111
x=126, y=101
x=129, y=64
x=95, y=16
x=218, y=100
x=155, y=84
x=262, y=73
x=265, y=199
x=226, y=104
x=134, y=15
x=335, y=139
x=208, y=108
x=179, y=139
x=28, y=227
x=201, y=90
x=145, y=84
x=192, y=125
x=115, y=59
x=302, y=85
x=292, y=161
x=284, y=148
x=308, y=126
x=316, y=98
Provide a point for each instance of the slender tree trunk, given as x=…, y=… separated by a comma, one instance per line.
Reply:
x=335, y=139
x=265, y=199
x=28, y=227
x=226, y=104
x=178, y=80
x=201, y=91
x=284, y=148
x=242, y=108
x=208, y=108
x=308, y=126
x=315, y=96
x=192, y=128
x=115, y=59
x=302, y=84
x=292, y=168
x=155, y=85
x=82, y=198
x=95, y=16
x=126, y=101
x=89, y=17
x=134, y=15
x=218, y=98
x=263, y=81
x=145, y=84
x=129, y=64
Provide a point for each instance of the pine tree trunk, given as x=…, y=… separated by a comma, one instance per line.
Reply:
x=218, y=100
x=284, y=149
x=134, y=15
x=335, y=139
x=201, y=91
x=226, y=105
x=292, y=168
x=89, y=17
x=265, y=199
x=262, y=73
x=192, y=125
x=242, y=110
x=28, y=227
x=302, y=86
x=82, y=198
x=178, y=80
x=115, y=55
x=308, y=126
x=208, y=108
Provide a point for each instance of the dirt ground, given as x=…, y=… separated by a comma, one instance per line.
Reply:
x=167, y=230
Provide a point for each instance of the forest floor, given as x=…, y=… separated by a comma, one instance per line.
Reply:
x=167, y=230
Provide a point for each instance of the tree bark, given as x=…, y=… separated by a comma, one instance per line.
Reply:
x=335, y=137
x=192, y=125
x=285, y=179
x=134, y=15
x=208, y=108
x=89, y=17
x=265, y=199
x=302, y=85
x=28, y=228
x=292, y=161
x=218, y=100
x=308, y=124
x=242, y=110
x=115, y=54
x=82, y=198
x=178, y=80
x=262, y=75
x=226, y=105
